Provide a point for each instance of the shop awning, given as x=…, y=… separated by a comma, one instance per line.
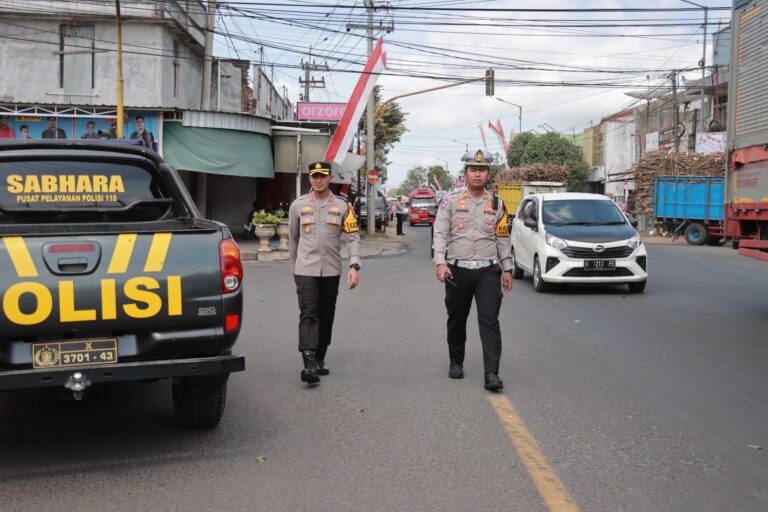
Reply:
x=218, y=151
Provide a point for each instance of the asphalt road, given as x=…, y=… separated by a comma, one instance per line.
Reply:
x=635, y=402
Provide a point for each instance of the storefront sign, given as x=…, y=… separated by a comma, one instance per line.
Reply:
x=320, y=111
x=138, y=126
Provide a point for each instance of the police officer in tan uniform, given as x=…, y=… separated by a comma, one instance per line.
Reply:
x=472, y=258
x=318, y=221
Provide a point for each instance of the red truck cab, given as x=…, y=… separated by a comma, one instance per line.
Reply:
x=422, y=207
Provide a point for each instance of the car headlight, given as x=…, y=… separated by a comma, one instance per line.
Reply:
x=635, y=242
x=557, y=243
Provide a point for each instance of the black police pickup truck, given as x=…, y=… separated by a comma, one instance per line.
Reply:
x=108, y=273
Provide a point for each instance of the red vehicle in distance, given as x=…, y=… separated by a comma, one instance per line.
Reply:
x=422, y=207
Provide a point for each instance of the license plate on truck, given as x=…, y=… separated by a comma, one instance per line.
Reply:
x=74, y=353
x=599, y=265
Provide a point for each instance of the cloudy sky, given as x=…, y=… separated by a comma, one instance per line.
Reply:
x=566, y=69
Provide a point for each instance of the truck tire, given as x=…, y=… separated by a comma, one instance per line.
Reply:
x=198, y=402
x=696, y=234
x=517, y=272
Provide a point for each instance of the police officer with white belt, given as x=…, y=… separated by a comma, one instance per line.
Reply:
x=318, y=221
x=471, y=244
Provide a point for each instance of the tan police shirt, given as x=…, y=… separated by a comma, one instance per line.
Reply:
x=316, y=229
x=469, y=228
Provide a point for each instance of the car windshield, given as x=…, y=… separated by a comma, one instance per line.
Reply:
x=423, y=204
x=587, y=212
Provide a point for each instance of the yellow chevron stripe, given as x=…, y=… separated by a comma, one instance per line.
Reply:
x=157, y=252
x=22, y=260
x=122, y=255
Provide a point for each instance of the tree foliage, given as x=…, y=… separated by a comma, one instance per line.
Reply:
x=388, y=127
x=550, y=148
x=419, y=176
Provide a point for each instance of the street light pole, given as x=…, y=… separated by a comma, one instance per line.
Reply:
x=519, y=116
x=703, y=62
x=466, y=150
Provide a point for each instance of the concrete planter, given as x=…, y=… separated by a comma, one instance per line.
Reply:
x=282, y=232
x=264, y=232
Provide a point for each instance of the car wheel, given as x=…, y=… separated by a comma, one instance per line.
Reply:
x=198, y=402
x=637, y=287
x=517, y=272
x=696, y=234
x=538, y=283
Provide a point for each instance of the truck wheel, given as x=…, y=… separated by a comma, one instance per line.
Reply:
x=696, y=234
x=538, y=283
x=517, y=272
x=198, y=402
x=636, y=287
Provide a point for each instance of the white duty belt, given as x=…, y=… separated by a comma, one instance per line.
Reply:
x=473, y=264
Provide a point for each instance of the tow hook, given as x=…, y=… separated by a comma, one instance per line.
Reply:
x=77, y=383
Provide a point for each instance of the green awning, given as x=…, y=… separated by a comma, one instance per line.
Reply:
x=218, y=151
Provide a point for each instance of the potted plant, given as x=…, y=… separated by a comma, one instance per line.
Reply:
x=282, y=228
x=264, y=228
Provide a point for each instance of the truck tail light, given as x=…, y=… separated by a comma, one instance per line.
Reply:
x=231, y=266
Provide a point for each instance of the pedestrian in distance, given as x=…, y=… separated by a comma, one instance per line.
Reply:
x=399, y=214
x=318, y=222
x=472, y=258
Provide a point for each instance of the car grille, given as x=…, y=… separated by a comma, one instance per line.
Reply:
x=617, y=272
x=587, y=252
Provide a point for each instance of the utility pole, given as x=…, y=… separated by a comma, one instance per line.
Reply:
x=120, y=116
x=210, y=23
x=676, y=113
x=308, y=82
x=702, y=63
x=369, y=130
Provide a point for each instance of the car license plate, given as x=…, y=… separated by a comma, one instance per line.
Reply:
x=599, y=265
x=58, y=354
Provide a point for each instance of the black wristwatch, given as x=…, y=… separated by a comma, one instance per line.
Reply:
x=355, y=266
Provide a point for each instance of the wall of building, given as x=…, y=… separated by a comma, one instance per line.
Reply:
x=619, y=152
x=31, y=65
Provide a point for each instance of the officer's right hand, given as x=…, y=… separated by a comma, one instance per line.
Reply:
x=441, y=270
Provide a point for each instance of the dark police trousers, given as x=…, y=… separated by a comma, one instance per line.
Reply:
x=399, y=222
x=317, y=305
x=484, y=285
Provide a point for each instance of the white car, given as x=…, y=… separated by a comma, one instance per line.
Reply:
x=576, y=238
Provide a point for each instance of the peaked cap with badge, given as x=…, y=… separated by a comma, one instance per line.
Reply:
x=320, y=168
x=477, y=159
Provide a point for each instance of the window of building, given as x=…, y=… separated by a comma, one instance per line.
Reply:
x=77, y=61
x=176, y=67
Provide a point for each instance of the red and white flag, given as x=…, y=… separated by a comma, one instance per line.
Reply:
x=482, y=135
x=342, y=137
x=499, y=131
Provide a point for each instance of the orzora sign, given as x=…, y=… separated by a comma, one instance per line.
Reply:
x=320, y=111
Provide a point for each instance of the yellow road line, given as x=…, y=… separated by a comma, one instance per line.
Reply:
x=122, y=255
x=20, y=257
x=550, y=487
x=157, y=252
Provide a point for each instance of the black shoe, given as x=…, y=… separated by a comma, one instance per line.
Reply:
x=322, y=368
x=493, y=382
x=309, y=374
x=456, y=371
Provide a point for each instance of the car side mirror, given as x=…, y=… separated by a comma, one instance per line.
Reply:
x=530, y=223
x=633, y=223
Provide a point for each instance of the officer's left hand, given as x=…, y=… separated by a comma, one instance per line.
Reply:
x=506, y=282
x=352, y=278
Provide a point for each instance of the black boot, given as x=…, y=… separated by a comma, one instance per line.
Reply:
x=456, y=370
x=322, y=366
x=493, y=382
x=309, y=373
